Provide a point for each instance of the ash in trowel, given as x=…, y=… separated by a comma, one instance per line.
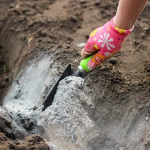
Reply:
x=67, y=112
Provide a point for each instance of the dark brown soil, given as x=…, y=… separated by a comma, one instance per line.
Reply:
x=29, y=28
x=31, y=143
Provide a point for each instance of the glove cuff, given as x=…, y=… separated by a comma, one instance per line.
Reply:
x=122, y=31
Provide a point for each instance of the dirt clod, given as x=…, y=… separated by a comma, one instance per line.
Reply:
x=31, y=143
x=113, y=60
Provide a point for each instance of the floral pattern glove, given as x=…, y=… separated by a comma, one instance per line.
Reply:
x=104, y=42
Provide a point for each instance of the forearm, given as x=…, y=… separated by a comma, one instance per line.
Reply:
x=128, y=12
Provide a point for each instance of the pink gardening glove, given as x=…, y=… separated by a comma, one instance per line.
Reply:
x=104, y=42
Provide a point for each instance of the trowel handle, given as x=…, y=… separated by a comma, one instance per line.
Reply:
x=84, y=63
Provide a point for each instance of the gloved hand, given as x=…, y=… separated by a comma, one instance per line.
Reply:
x=104, y=42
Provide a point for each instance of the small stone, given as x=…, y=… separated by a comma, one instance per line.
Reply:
x=73, y=19
x=87, y=36
x=90, y=8
x=30, y=13
x=104, y=68
x=3, y=84
x=88, y=82
x=11, y=6
x=147, y=118
x=43, y=33
x=113, y=61
x=84, y=6
x=140, y=107
x=21, y=18
x=136, y=43
x=39, y=40
x=81, y=45
x=68, y=42
x=31, y=23
x=82, y=1
x=68, y=46
x=146, y=28
x=148, y=70
x=142, y=35
x=122, y=148
x=97, y=3
x=22, y=37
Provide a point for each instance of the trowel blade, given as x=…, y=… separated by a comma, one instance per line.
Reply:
x=68, y=71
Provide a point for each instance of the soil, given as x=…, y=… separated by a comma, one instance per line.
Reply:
x=121, y=84
x=30, y=143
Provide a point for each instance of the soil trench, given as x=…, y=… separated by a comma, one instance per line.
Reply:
x=108, y=109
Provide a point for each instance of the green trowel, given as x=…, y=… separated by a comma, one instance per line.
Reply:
x=68, y=72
